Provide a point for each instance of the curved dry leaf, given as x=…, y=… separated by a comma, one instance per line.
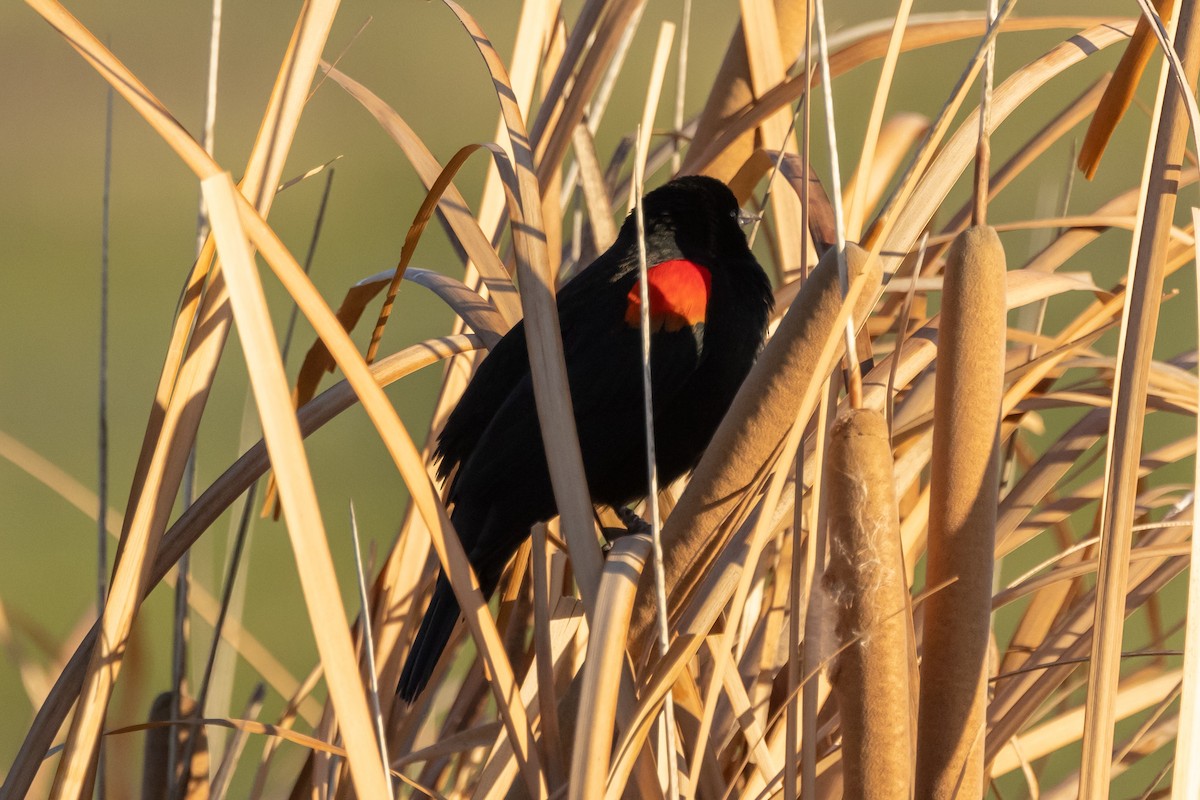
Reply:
x=420, y=220
x=452, y=206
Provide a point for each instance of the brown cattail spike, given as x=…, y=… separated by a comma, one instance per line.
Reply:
x=964, y=478
x=866, y=582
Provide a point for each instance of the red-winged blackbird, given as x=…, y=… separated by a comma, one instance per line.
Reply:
x=709, y=303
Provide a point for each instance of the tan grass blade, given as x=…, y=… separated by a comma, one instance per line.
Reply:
x=1119, y=93
x=1138, y=328
x=1186, y=777
x=1035, y=147
x=1021, y=286
x=595, y=193
x=1138, y=692
x=600, y=29
x=892, y=145
x=764, y=43
x=856, y=208
x=749, y=565
x=602, y=669
x=233, y=753
x=297, y=495
x=182, y=415
x=669, y=734
x=205, y=511
x=866, y=579
x=964, y=478
x=257, y=656
x=551, y=392
x=317, y=361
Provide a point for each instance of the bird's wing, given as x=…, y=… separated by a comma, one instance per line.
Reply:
x=498, y=374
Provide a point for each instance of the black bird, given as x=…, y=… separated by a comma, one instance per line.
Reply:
x=709, y=304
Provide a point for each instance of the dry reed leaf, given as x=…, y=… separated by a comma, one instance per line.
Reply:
x=602, y=670
x=865, y=579
x=412, y=469
x=420, y=220
x=479, y=315
x=1186, y=775
x=551, y=393
x=764, y=45
x=748, y=563
x=1138, y=328
x=297, y=494
x=1119, y=93
x=1021, y=286
x=466, y=304
x=595, y=38
x=855, y=192
x=595, y=192
x=1037, y=144
x=1018, y=696
x=257, y=656
x=760, y=755
x=157, y=474
x=964, y=477
x=566, y=630
x=663, y=675
x=945, y=169
x=866, y=187
x=1137, y=693
x=733, y=89
x=864, y=44
x=822, y=225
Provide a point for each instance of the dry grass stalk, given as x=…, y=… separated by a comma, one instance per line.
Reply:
x=866, y=580
x=964, y=477
x=601, y=675
x=1139, y=326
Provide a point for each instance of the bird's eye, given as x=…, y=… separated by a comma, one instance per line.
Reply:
x=735, y=214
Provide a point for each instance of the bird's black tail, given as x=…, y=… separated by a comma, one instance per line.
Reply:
x=431, y=640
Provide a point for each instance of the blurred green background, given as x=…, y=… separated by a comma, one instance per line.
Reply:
x=415, y=55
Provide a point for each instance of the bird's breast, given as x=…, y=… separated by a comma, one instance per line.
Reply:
x=678, y=289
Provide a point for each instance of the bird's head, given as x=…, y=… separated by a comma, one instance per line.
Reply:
x=700, y=214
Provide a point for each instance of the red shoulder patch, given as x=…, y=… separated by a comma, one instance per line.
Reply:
x=679, y=291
